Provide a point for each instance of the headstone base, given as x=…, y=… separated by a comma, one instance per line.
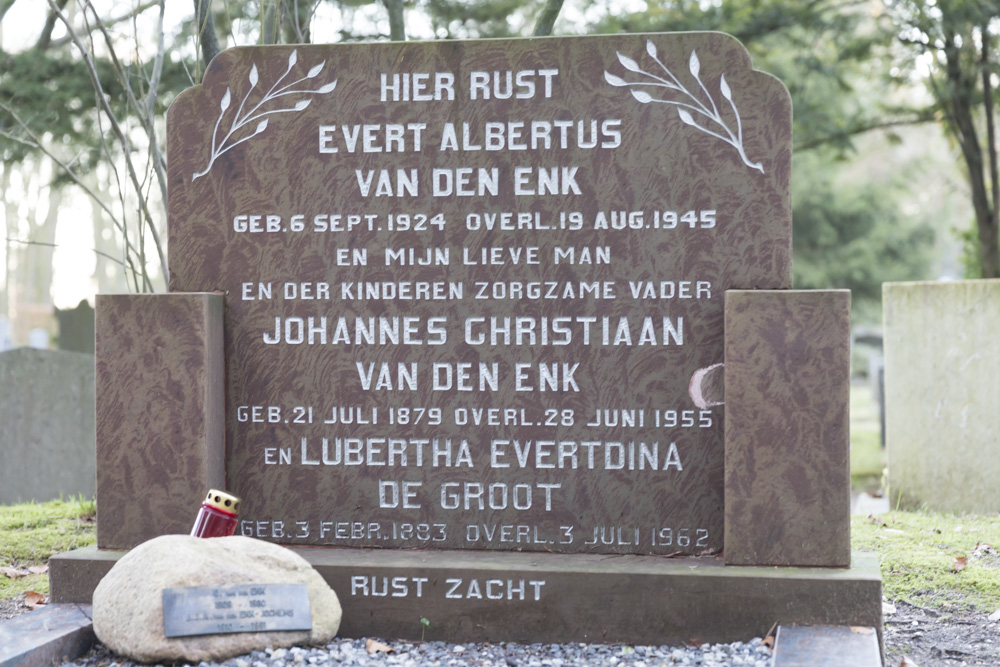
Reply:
x=479, y=596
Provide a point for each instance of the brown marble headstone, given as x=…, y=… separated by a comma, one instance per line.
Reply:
x=787, y=389
x=468, y=284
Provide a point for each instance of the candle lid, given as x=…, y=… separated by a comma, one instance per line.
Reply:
x=223, y=501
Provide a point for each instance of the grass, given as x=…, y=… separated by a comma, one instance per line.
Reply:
x=31, y=532
x=917, y=552
x=867, y=455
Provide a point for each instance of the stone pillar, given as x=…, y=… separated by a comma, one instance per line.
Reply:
x=787, y=386
x=160, y=412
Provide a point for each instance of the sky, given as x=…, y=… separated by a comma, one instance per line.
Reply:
x=74, y=259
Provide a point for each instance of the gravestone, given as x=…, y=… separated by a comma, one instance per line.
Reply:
x=484, y=344
x=942, y=394
x=46, y=425
x=477, y=309
x=76, y=328
x=5, y=334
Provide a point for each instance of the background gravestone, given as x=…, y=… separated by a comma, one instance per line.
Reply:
x=76, y=328
x=412, y=235
x=46, y=425
x=942, y=394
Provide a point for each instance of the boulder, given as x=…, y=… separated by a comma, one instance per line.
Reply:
x=128, y=602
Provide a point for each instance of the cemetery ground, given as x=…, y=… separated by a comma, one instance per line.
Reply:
x=941, y=573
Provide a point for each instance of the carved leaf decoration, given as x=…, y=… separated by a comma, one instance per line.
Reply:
x=315, y=70
x=257, y=109
x=614, y=80
x=714, y=123
x=724, y=87
x=628, y=63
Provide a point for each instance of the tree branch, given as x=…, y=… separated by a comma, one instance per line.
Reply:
x=298, y=16
x=145, y=110
x=76, y=179
x=45, y=41
x=547, y=18
x=131, y=14
x=926, y=116
x=5, y=5
x=56, y=245
x=106, y=107
x=270, y=26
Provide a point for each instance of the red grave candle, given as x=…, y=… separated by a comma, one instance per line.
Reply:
x=217, y=515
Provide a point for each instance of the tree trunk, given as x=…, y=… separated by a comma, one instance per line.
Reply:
x=207, y=37
x=108, y=246
x=397, y=29
x=989, y=252
x=961, y=91
x=38, y=269
x=31, y=287
x=10, y=232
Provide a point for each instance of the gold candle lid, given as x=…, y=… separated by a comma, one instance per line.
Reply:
x=223, y=501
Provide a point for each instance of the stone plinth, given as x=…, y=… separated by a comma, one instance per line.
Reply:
x=160, y=417
x=787, y=429
x=942, y=394
x=539, y=597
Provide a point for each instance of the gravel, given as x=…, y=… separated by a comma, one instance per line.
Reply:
x=11, y=608
x=350, y=652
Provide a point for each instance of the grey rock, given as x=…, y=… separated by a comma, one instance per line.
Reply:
x=128, y=602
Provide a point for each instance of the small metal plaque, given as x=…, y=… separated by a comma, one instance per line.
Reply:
x=211, y=610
